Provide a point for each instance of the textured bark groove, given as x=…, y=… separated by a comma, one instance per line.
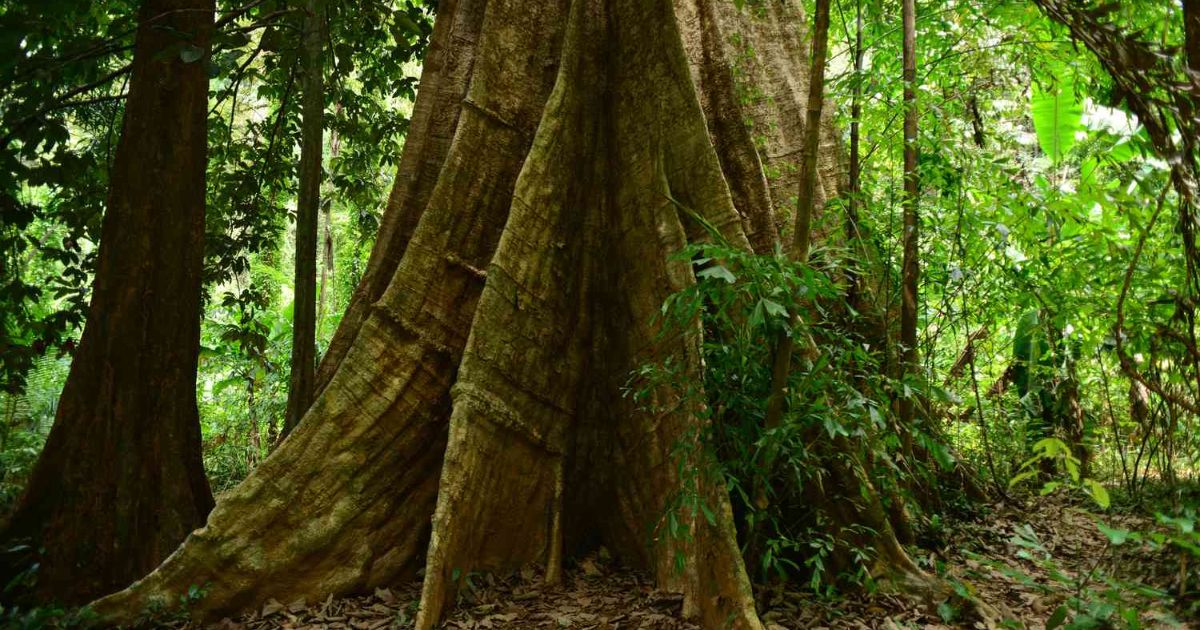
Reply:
x=477, y=378
x=621, y=136
x=344, y=502
x=757, y=64
x=445, y=77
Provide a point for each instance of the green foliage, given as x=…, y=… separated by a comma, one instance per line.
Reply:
x=1029, y=350
x=1055, y=451
x=25, y=420
x=743, y=303
x=60, y=110
x=1057, y=112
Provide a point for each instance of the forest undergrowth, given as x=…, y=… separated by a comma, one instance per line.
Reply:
x=1028, y=557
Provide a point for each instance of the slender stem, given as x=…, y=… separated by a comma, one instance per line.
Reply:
x=304, y=360
x=801, y=239
x=910, y=266
x=853, y=232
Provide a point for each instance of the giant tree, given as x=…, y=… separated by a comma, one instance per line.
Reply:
x=469, y=413
x=120, y=482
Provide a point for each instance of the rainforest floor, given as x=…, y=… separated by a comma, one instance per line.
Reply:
x=1008, y=557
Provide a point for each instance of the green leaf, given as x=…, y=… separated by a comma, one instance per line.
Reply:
x=947, y=611
x=757, y=316
x=190, y=54
x=1057, y=113
x=1057, y=619
x=1185, y=524
x=1115, y=536
x=1098, y=491
x=774, y=308
x=1049, y=447
x=717, y=271
x=1087, y=171
x=1022, y=477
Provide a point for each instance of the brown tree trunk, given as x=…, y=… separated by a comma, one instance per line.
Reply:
x=120, y=482
x=304, y=304
x=1191, y=29
x=478, y=376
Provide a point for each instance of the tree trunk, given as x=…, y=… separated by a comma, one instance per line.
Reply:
x=781, y=368
x=120, y=482
x=477, y=378
x=304, y=304
x=1191, y=29
x=327, y=275
x=854, y=183
x=911, y=271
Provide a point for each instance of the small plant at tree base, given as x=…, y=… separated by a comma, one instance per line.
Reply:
x=743, y=301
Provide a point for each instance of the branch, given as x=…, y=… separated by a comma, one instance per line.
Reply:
x=63, y=101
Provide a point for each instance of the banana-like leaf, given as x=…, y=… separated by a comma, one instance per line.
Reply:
x=1057, y=112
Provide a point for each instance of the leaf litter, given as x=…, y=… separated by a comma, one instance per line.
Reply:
x=990, y=557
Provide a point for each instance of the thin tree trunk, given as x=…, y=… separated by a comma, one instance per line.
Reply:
x=853, y=229
x=807, y=193
x=304, y=309
x=120, y=481
x=1191, y=29
x=335, y=146
x=802, y=233
x=255, y=433
x=326, y=262
x=910, y=266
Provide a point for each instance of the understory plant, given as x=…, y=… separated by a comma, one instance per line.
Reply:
x=836, y=393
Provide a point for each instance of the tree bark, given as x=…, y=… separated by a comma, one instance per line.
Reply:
x=120, y=482
x=1191, y=29
x=478, y=376
x=304, y=304
x=445, y=76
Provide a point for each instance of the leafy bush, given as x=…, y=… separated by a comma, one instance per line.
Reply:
x=835, y=393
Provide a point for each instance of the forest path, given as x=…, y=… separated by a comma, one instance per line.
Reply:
x=1000, y=557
